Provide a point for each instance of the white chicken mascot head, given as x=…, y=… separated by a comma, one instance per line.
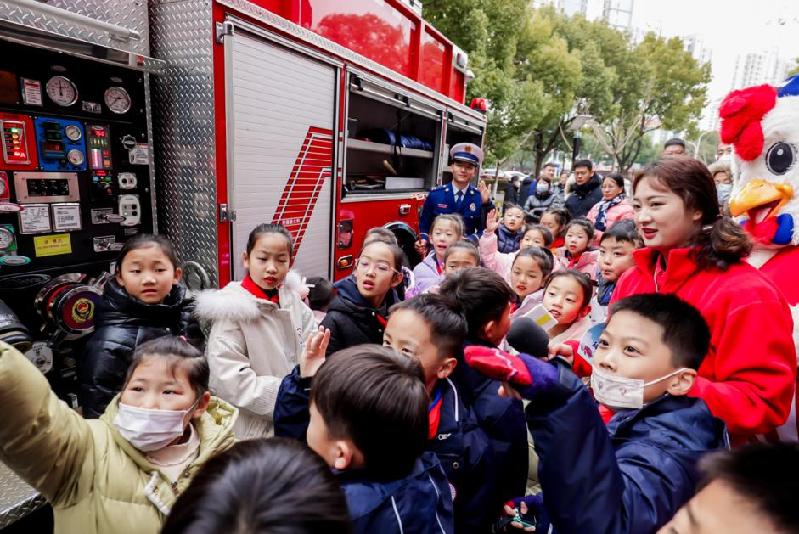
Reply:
x=762, y=123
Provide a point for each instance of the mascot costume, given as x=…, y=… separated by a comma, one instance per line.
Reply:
x=762, y=123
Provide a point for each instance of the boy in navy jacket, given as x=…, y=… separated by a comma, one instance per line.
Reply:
x=368, y=421
x=485, y=299
x=632, y=475
x=427, y=328
x=430, y=329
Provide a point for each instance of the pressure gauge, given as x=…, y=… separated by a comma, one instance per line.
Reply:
x=72, y=132
x=117, y=99
x=6, y=238
x=62, y=91
x=75, y=157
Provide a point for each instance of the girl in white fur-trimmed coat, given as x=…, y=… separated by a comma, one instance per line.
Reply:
x=258, y=328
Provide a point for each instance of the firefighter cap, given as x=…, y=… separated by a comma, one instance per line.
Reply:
x=468, y=152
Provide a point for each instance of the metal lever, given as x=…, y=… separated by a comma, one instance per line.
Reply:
x=404, y=209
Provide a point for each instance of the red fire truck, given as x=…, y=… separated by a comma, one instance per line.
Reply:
x=328, y=117
x=200, y=119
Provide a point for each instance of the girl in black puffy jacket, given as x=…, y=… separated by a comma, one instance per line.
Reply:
x=143, y=301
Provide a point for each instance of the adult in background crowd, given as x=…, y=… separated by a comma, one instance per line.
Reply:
x=722, y=176
x=512, y=191
x=586, y=191
x=528, y=186
x=458, y=196
x=613, y=207
x=674, y=147
x=543, y=197
x=690, y=251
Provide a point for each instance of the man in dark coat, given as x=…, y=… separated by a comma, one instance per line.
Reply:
x=587, y=189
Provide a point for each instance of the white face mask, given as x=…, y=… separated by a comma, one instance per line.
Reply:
x=617, y=392
x=541, y=188
x=149, y=429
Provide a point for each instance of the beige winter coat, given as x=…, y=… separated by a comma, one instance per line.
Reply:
x=251, y=346
x=97, y=482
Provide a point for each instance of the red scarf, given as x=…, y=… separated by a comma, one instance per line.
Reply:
x=272, y=295
x=434, y=413
x=439, y=267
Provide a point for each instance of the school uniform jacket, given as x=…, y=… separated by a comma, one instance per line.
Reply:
x=627, y=477
x=419, y=503
x=502, y=419
x=748, y=377
x=459, y=443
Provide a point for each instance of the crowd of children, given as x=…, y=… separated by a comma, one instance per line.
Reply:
x=416, y=409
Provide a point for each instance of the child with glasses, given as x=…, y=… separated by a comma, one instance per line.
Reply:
x=359, y=312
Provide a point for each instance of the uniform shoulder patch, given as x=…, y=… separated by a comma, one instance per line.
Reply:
x=439, y=188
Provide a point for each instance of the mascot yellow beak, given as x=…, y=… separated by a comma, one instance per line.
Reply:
x=760, y=194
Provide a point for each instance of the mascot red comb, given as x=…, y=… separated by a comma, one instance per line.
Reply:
x=762, y=123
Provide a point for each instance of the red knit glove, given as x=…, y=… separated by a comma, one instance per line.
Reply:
x=498, y=365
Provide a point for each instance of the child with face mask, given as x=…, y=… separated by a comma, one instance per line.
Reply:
x=634, y=473
x=123, y=472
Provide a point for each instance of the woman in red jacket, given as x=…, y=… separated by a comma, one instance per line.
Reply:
x=747, y=380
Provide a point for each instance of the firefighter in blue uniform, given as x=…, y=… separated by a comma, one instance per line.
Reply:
x=458, y=196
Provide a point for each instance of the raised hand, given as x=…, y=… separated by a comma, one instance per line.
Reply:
x=314, y=355
x=485, y=193
x=492, y=222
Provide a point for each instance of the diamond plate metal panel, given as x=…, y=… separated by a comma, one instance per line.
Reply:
x=17, y=499
x=184, y=129
x=130, y=14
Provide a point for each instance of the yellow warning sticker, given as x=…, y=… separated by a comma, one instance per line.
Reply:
x=52, y=245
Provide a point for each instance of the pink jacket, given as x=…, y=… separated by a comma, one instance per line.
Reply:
x=500, y=263
x=493, y=259
x=586, y=263
x=619, y=212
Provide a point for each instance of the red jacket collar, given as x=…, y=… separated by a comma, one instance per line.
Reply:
x=680, y=265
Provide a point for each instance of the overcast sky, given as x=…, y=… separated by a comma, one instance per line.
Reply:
x=727, y=27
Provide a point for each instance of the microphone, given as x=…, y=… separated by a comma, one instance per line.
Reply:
x=527, y=337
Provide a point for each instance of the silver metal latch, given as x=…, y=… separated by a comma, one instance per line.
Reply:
x=404, y=209
x=223, y=29
x=226, y=214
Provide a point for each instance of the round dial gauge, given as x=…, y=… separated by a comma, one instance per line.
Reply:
x=75, y=157
x=72, y=132
x=6, y=238
x=117, y=99
x=62, y=91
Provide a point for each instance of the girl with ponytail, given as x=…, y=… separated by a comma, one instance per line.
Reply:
x=691, y=250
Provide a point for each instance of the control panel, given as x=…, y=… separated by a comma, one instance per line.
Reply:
x=19, y=149
x=61, y=144
x=75, y=179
